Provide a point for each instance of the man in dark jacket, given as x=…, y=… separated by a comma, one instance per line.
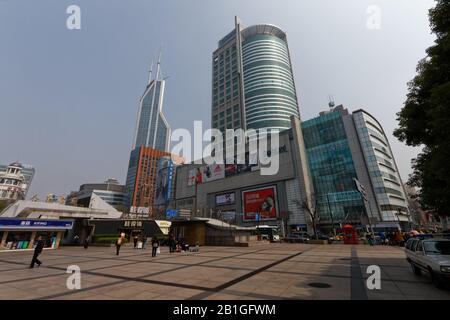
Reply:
x=37, y=251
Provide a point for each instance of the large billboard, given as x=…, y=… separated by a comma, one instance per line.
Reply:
x=206, y=173
x=164, y=181
x=260, y=204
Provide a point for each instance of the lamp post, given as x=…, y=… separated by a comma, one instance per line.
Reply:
x=331, y=214
x=398, y=218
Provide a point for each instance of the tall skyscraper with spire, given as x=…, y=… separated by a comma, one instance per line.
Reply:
x=152, y=129
x=150, y=142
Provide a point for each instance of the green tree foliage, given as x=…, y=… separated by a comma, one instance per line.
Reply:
x=425, y=117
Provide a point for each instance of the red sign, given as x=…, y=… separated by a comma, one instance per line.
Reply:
x=260, y=204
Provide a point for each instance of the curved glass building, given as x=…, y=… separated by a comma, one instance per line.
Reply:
x=269, y=90
x=253, y=84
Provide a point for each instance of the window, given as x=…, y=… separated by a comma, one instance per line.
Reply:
x=419, y=246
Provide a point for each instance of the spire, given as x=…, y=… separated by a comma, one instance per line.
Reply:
x=158, y=65
x=150, y=74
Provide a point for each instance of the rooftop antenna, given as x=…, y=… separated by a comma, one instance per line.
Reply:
x=331, y=101
x=150, y=74
x=158, y=65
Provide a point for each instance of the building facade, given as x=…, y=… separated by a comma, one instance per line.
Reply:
x=240, y=195
x=152, y=129
x=141, y=179
x=111, y=191
x=342, y=147
x=332, y=170
x=13, y=183
x=384, y=175
x=150, y=142
x=253, y=85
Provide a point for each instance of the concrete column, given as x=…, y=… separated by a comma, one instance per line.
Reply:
x=33, y=236
x=3, y=240
x=58, y=239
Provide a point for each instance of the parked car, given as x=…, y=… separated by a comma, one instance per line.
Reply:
x=275, y=238
x=301, y=237
x=432, y=256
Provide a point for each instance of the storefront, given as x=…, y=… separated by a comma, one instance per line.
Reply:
x=17, y=234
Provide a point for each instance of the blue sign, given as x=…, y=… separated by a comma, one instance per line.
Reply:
x=6, y=223
x=171, y=214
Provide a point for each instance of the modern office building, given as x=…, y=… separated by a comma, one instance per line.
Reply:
x=26, y=171
x=332, y=169
x=342, y=147
x=253, y=84
x=141, y=179
x=152, y=129
x=239, y=194
x=384, y=175
x=150, y=142
x=111, y=191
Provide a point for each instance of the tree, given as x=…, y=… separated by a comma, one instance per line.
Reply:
x=425, y=117
x=310, y=206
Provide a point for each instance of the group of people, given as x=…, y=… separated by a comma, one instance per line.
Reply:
x=174, y=245
x=389, y=238
x=143, y=239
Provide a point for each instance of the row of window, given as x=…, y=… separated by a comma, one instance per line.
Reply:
x=12, y=182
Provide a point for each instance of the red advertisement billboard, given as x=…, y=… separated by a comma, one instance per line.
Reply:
x=260, y=204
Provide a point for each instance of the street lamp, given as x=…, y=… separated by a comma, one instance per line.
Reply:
x=398, y=218
x=331, y=214
x=360, y=188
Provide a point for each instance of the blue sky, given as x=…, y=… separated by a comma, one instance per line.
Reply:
x=69, y=98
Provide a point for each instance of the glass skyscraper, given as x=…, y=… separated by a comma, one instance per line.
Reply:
x=151, y=141
x=152, y=128
x=332, y=169
x=253, y=85
x=386, y=181
x=342, y=147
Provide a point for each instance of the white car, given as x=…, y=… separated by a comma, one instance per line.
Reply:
x=432, y=256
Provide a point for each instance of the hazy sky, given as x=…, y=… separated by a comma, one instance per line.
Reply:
x=69, y=98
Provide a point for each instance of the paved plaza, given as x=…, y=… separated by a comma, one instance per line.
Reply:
x=261, y=271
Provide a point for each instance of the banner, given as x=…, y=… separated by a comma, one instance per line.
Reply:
x=225, y=199
x=213, y=172
x=260, y=204
x=164, y=178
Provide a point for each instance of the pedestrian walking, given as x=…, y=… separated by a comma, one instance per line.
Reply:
x=144, y=242
x=135, y=240
x=155, y=246
x=118, y=244
x=86, y=242
x=37, y=251
x=172, y=243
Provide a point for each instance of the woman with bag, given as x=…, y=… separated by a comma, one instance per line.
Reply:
x=155, y=246
x=118, y=244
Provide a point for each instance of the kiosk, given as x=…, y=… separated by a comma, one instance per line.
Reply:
x=17, y=234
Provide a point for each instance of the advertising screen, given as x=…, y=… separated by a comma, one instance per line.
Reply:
x=225, y=199
x=260, y=204
x=213, y=172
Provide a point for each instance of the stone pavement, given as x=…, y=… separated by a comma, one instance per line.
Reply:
x=262, y=271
